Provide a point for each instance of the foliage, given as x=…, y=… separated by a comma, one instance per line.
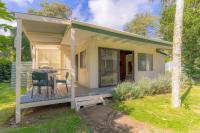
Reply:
x=145, y=87
x=159, y=85
x=157, y=111
x=126, y=91
x=25, y=50
x=162, y=84
x=3, y=12
x=5, y=69
x=5, y=27
x=6, y=48
x=59, y=122
x=5, y=42
x=142, y=23
x=5, y=15
x=191, y=35
x=54, y=9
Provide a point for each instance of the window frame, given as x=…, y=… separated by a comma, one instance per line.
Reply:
x=83, y=61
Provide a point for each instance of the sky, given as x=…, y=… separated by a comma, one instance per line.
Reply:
x=109, y=13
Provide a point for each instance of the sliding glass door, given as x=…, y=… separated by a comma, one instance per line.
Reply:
x=108, y=66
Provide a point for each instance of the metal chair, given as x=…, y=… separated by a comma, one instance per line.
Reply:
x=64, y=81
x=40, y=79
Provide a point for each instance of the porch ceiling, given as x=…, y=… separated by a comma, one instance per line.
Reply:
x=44, y=33
x=81, y=36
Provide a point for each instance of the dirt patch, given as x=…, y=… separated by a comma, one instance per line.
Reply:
x=35, y=115
x=103, y=119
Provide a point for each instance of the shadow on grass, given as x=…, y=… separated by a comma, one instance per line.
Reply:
x=122, y=107
x=186, y=93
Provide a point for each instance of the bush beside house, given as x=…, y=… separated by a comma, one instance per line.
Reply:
x=145, y=87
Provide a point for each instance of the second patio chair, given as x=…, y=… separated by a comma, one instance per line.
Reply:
x=64, y=81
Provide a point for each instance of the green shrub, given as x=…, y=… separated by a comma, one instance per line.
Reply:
x=161, y=85
x=126, y=91
x=145, y=86
x=5, y=69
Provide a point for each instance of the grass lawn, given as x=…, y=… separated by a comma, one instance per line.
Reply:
x=157, y=111
x=62, y=122
x=7, y=102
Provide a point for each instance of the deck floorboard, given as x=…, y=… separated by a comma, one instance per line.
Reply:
x=61, y=92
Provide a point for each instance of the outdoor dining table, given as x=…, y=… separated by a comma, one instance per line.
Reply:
x=51, y=76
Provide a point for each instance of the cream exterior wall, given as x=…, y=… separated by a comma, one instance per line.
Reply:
x=83, y=77
x=89, y=76
x=93, y=70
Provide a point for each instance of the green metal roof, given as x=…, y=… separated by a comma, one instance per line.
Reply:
x=106, y=31
x=117, y=33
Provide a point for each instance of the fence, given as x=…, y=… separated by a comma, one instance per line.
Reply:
x=26, y=70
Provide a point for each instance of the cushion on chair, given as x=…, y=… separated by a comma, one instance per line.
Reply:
x=61, y=81
x=40, y=83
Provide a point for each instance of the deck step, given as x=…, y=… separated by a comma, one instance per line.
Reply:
x=87, y=101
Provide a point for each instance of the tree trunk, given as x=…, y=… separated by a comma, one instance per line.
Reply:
x=177, y=42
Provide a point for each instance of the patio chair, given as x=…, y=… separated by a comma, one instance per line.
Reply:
x=64, y=81
x=40, y=79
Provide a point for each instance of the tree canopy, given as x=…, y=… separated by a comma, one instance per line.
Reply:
x=191, y=34
x=4, y=14
x=141, y=23
x=54, y=9
x=6, y=49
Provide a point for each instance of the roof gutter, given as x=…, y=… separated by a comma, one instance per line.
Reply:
x=161, y=52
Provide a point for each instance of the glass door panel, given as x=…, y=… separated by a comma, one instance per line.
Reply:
x=108, y=64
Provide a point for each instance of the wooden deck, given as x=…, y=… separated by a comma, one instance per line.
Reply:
x=61, y=94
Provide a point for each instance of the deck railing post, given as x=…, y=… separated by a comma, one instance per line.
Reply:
x=72, y=51
x=18, y=69
x=33, y=56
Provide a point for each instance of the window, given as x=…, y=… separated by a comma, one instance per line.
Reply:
x=108, y=65
x=145, y=62
x=83, y=59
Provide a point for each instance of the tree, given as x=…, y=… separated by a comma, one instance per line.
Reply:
x=177, y=42
x=191, y=34
x=4, y=14
x=6, y=49
x=142, y=24
x=54, y=9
